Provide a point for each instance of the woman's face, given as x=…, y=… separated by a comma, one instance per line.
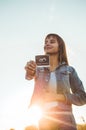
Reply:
x=51, y=45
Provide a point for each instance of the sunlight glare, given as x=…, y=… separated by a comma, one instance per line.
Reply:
x=35, y=113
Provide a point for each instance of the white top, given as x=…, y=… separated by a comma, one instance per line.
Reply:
x=52, y=82
x=52, y=87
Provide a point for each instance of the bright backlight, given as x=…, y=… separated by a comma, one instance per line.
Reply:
x=35, y=113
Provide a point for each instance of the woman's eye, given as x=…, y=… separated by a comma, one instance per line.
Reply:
x=52, y=42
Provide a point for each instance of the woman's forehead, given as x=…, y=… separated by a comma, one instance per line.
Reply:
x=50, y=37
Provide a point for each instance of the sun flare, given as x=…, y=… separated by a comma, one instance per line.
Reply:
x=35, y=113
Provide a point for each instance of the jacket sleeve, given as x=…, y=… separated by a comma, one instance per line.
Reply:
x=78, y=94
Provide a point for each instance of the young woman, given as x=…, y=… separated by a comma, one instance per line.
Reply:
x=57, y=89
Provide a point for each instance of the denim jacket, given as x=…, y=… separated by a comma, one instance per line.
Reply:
x=68, y=83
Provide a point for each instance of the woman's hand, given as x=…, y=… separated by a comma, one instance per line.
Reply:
x=30, y=68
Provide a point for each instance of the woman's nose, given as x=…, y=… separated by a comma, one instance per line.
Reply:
x=48, y=43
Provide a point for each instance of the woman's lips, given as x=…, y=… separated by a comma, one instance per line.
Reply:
x=48, y=48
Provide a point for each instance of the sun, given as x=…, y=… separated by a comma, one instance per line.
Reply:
x=35, y=113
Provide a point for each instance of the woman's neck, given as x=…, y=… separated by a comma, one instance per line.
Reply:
x=53, y=62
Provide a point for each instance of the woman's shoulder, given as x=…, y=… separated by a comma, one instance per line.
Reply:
x=66, y=68
x=70, y=68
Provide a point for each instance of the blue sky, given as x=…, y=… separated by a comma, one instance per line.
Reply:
x=23, y=27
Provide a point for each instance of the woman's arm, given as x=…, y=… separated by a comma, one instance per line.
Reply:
x=78, y=95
